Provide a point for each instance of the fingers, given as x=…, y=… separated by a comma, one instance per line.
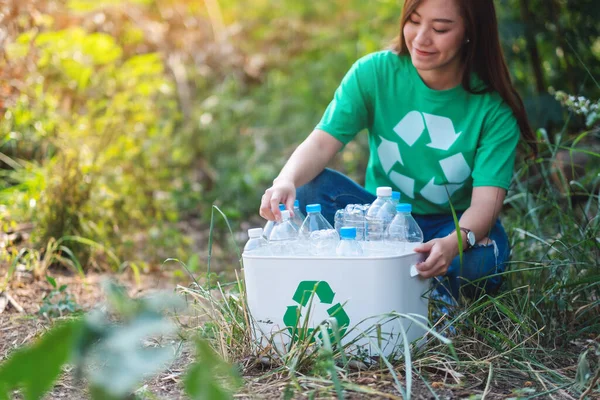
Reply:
x=289, y=205
x=424, y=247
x=274, y=204
x=430, y=268
x=435, y=264
x=273, y=197
x=266, y=210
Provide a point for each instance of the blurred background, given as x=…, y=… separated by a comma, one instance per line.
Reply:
x=125, y=122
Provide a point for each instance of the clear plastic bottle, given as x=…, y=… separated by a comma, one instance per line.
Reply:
x=354, y=215
x=396, y=198
x=298, y=217
x=282, y=241
x=413, y=233
x=380, y=214
x=395, y=235
x=321, y=237
x=348, y=246
x=256, y=243
x=339, y=220
x=269, y=225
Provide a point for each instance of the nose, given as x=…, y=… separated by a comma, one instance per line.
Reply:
x=423, y=37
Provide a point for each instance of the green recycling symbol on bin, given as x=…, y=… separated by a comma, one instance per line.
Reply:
x=302, y=296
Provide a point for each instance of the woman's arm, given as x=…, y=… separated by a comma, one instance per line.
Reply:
x=486, y=203
x=307, y=161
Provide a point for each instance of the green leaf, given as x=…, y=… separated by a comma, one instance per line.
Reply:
x=77, y=72
x=98, y=393
x=94, y=5
x=51, y=281
x=288, y=392
x=193, y=263
x=592, y=118
x=124, y=361
x=584, y=372
x=102, y=48
x=36, y=367
x=203, y=379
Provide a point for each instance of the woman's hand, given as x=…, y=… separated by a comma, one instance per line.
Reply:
x=282, y=191
x=441, y=253
x=307, y=161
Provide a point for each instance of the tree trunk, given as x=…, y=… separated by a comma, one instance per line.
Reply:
x=532, y=48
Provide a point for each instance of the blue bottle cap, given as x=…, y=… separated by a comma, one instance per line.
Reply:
x=296, y=204
x=313, y=208
x=281, y=207
x=404, y=207
x=348, y=232
x=395, y=195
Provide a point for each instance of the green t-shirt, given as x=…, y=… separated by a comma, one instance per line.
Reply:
x=423, y=142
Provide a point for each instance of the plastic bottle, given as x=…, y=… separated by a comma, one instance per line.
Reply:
x=395, y=198
x=380, y=214
x=282, y=241
x=354, y=215
x=348, y=246
x=395, y=235
x=339, y=220
x=321, y=237
x=413, y=233
x=269, y=225
x=256, y=243
x=298, y=217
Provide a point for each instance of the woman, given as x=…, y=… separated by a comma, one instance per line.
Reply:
x=444, y=121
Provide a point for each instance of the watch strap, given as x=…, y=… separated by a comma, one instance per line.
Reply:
x=467, y=231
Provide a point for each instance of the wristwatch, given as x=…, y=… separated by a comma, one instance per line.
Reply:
x=470, y=237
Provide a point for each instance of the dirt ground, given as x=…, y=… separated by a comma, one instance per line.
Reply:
x=20, y=327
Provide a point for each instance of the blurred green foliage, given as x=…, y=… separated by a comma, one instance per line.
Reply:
x=122, y=121
x=114, y=357
x=48, y=354
x=92, y=126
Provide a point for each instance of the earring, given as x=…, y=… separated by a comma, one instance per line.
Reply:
x=468, y=40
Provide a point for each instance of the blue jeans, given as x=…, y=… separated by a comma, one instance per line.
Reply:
x=334, y=190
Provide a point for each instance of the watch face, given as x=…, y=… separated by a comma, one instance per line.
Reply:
x=471, y=238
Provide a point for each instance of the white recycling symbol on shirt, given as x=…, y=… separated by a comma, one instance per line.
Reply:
x=442, y=135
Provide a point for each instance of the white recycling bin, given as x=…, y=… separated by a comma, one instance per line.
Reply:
x=356, y=292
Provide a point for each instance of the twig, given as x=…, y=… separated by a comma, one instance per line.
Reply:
x=539, y=378
x=489, y=382
x=14, y=303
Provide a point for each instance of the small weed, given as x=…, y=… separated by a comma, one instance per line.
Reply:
x=58, y=302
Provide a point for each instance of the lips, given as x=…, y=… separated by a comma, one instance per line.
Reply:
x=423, y=53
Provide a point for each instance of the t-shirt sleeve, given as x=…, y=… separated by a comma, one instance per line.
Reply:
x=348, y=112
x=496, y=152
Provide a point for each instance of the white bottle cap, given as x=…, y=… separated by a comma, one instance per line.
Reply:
x=255, y=232
x=384, y=191
x=285, y=215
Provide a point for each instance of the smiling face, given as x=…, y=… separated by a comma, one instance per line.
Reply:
x=435, y=35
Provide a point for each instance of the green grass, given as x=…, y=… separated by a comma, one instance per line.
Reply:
x=538, y=335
